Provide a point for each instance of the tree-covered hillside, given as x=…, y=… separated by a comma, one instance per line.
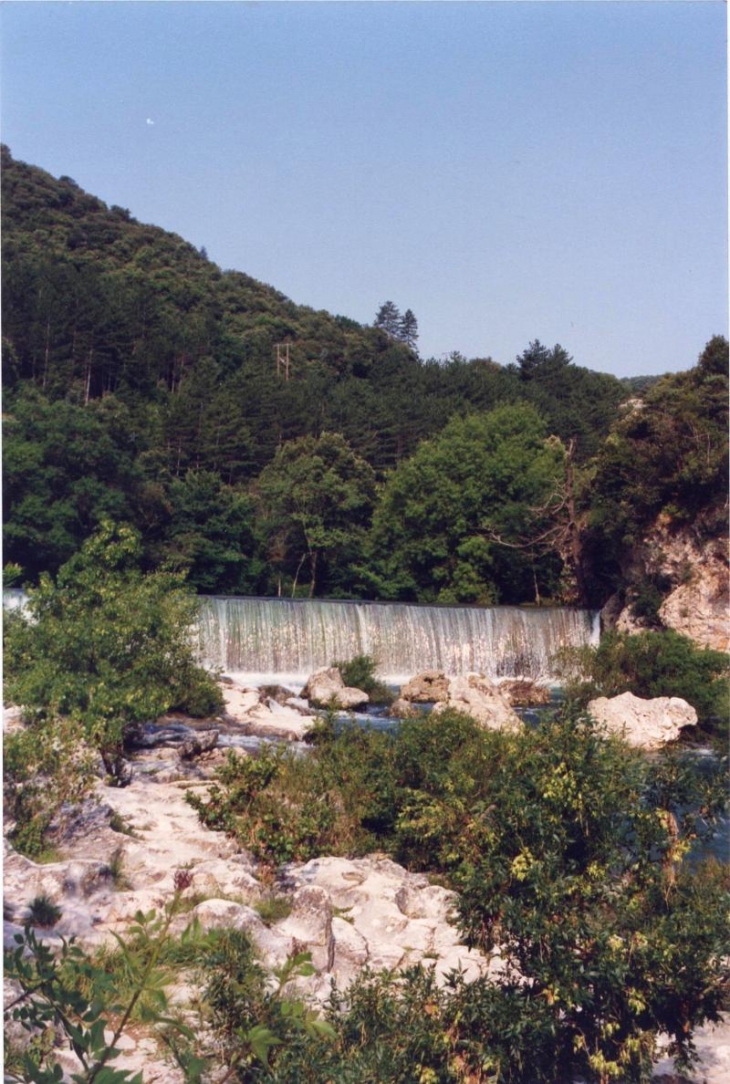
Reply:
x=145, y=384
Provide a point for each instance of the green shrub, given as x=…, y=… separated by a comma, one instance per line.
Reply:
x=46, y=768
x=359, y=673
x=650, y=664
x=43, y=912
x=569, y=853
x=272, y=909
x=284, y=807
x=92, y=1005
x=106, y=645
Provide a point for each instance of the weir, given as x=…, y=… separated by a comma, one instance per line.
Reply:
x=286, y=639
x=271, y=639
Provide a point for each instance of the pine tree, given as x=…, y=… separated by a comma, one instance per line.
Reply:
x=389, y=319
x=408, y=330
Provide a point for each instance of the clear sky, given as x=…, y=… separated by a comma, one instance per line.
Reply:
x=509, y=171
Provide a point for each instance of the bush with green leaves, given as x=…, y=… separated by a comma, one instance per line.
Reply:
x=569, y=852
x=573, y=869
x=47, y=768
x=106, y=645
x=284, y=807
x=254, y=1021
x=67, y=999
x=650, y=664
x=359, y=673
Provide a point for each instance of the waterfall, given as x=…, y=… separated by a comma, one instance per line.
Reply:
x=285, y=640
x=271, y=639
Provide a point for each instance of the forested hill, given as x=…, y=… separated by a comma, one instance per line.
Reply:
x=97, y=303
x=144, y=384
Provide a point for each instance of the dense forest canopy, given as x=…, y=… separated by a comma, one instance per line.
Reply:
x=228, y=424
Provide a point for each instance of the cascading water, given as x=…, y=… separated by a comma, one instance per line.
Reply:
x=285, y=640
x=267, y=640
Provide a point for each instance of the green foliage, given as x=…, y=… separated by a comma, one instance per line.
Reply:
x=65, y=468
x=359, y=673
x=315, y=502
x=47, y=768
x=283, y=807
x=393, y=1029
x=650, y=664
x=668, y=456
x=575, y=872
x=43, y=912
x=253, y=1022
x=272, y=909
x=434, y=527
x=70, y=991
x=106, y=646
x=12, y=574
x=116, y=870
x=573, y=869
x=141, y=384
x=208, y=534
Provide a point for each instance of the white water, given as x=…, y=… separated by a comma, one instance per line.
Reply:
x=282, y=640
x=285, y=640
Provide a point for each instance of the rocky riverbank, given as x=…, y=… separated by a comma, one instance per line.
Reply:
x=348, y=913
x=120, y=853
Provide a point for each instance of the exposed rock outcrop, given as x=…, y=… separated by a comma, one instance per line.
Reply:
x=430, y=687
x=403, y=709
x=372, y=911
x=326, y=688
x=476, y=695
x=524, y=693
x=258, y=714
x=646, y=724
x=696, y=585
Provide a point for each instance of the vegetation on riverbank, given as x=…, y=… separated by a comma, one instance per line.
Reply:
x=573, y=867
x=102, y=649
x=650, y=664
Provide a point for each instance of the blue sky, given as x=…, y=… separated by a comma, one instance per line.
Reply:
x=509, y=171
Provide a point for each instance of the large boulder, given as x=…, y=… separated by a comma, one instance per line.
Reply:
x=255, y=712
x=645, y=724
x=352, y=912
x=326, y=688
x=524, y=692
x=476, y=695
x=403, y=709
x=430, y=687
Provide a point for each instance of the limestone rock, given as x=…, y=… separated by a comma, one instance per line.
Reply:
x=226, y=914
x=403, y=709
x=697, y=603
x=282, y=722
x=326, y=687
x=645, y=724
x=371, y=910
x=477, y=696
x=524, y=693
x=310, y=925
x=279, y=693
x=198, y=744
x=265, y=716
x=430, y=687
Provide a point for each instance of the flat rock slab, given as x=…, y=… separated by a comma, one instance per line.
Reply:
x=265, y=718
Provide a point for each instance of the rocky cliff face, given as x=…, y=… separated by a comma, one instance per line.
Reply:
x=689, y=577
